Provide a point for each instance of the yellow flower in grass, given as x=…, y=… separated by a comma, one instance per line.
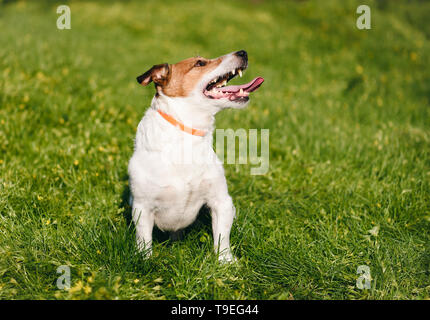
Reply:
x=77, y=287
x=40, y=76
x=76, y=162
x=102, y=294
x=87, y=289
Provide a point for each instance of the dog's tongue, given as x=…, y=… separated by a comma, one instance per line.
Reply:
x=248, y=87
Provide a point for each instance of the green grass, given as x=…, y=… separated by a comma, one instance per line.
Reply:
x=349, y=119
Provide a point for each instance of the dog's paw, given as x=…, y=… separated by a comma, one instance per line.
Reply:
x=146, y=252
x=227, y=257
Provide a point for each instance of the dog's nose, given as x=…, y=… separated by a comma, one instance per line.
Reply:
x=242, y=54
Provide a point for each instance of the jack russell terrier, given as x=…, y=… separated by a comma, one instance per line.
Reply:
x=166, y=190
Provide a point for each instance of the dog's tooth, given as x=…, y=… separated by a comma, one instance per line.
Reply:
x=240, y=72
x=241, y=91
x=233, y=72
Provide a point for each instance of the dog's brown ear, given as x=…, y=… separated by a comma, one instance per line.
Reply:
x=159, y=73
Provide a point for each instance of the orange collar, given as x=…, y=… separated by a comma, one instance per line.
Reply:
x=180, y=125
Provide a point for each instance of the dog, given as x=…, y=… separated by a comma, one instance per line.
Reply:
x=167, y=191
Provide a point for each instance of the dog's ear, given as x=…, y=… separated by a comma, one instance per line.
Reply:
x=159, y=73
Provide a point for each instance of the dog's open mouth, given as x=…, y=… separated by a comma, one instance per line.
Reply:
x=217, y=89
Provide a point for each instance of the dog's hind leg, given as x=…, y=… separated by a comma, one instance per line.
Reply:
x=144, y=222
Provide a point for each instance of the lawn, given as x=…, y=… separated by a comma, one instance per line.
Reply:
x=349, y=181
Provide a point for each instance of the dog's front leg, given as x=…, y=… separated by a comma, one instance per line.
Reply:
x=144, y=221
x=223, y=213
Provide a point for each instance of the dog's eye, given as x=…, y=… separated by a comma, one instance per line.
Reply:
x=200, y=63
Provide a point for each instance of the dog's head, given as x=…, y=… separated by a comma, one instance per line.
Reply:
x=203, y=81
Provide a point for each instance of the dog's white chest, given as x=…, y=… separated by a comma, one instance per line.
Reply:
x=176, y=206
x=163, y=176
